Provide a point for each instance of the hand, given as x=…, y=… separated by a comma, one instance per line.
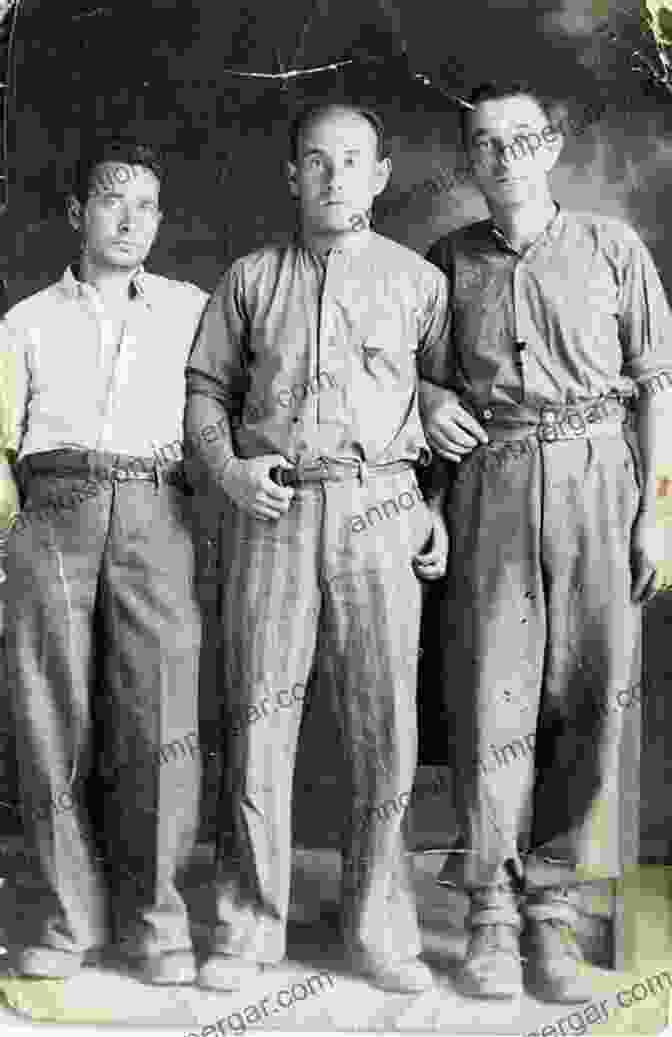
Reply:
x=431, y=562
x=646, y=555
x=248, y=484
x=451, y=430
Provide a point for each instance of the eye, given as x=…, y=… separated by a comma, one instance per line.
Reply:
x=350, y=161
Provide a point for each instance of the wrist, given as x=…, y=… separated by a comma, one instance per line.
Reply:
x=225, y=472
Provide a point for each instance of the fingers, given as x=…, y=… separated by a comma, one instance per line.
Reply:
x=271, y=493
x=456, y=436
x=430, y=563
x=449, y=455
x=430, y=567
x=643, y=579
x=272, y=507
x=261, y=511
x=650, y=590
x=274, y=494
x=467, y=421
x=451, y=438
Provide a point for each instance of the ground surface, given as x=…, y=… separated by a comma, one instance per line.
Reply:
x=336, y=1001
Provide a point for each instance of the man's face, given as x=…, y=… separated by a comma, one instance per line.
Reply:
x=121, y=217
x=337, y=174
x=512, y=149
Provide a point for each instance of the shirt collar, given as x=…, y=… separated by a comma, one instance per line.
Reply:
x=550, y=232
x=74, y=288
x=352, y=245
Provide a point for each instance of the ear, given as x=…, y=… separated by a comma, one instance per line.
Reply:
x=382, y=175
x=554, y=142
x=75, y=211
x=293, y=179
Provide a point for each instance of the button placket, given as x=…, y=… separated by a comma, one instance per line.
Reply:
x=329, y=358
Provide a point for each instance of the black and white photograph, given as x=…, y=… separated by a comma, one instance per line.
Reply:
x=336, y=517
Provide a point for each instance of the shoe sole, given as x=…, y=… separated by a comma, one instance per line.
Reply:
x=468, y=988
x=229, y=987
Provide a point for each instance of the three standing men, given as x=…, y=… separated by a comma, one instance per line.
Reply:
x=557, y=318
x=305, y=571
x=559, y=321
x=102, y=626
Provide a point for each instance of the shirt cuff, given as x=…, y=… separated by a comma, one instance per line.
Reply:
x=651, y=383
x=201, y=384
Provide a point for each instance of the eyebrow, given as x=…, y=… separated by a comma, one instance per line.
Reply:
x=486, y=133
x=320, y=151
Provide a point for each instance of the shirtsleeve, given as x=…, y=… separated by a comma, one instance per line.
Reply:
x=436, y=360
x=217, y=361
x=645, y=318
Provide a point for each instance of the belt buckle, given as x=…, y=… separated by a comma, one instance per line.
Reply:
x=121, y=474
x=319, y=467
x=547, y=430
x=576, y=431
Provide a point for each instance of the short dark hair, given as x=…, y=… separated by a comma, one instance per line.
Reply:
x=494, y=92
x=315, y=112
x=128, y=151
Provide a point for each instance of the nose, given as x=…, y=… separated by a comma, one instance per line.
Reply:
x=125, y=217
x=503, y=153
x=334, y=175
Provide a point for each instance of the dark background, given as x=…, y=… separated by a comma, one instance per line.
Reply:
x=157, y=67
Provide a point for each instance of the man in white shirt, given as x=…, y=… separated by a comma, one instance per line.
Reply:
x=103, y=629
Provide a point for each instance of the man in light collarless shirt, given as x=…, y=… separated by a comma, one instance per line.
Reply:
x=103, y=630
x=560, y=329
x=302, y=409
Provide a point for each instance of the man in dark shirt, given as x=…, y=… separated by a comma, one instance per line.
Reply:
x=559, y=322
x=307, y=362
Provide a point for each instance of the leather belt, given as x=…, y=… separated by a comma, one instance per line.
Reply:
x=334, y=471
x=589, y=419
x=101, y=466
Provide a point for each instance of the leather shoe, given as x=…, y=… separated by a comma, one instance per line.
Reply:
x=555, y=969
x=409, y=976
x=492, y=966
x=166, y=968
x=48, y=963
x=225, y=972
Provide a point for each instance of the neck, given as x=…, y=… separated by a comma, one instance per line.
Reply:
x=323, y=242
x=523, y=223
x=111, y=283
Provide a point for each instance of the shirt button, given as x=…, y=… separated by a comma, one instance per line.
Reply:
x=487, y=413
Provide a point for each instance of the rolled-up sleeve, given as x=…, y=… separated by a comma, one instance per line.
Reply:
x=217, y=362
x=14, y=386
x=645, y=318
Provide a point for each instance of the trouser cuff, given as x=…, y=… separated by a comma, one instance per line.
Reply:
x=551, y=904
x=493, y=905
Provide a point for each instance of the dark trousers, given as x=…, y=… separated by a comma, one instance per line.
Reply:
x=332, y=583
x=103, y=636
x=542, y=658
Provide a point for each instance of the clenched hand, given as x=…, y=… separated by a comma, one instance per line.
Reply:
x=249, y=485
